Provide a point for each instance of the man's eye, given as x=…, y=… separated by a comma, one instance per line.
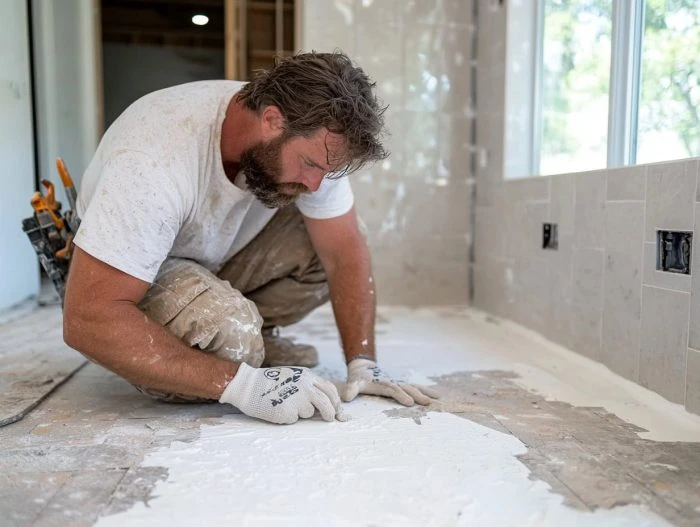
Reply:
x=309, y=164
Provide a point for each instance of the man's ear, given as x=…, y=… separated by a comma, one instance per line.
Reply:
x=272, y=122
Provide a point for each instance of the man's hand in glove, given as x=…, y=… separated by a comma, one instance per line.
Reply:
x=282, y=395
x=364, y=376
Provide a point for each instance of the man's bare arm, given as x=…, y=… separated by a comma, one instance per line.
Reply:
x=345, y=257
x=102, y=321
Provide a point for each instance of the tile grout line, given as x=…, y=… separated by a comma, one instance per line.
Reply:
x=641, y=271
x=690, y=302
x=666, y=289
x=604, y=254
x=574, y=244
x=602, y=304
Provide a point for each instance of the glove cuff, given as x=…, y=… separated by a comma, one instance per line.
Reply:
x=361, y=362
x=239, y=385
x=365, y=357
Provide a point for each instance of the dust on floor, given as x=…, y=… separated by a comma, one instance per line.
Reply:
x=515, y=439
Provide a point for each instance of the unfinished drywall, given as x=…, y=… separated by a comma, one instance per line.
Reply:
x=132, y=71
x=416, y=203
x=19, y=272
x=599, y=293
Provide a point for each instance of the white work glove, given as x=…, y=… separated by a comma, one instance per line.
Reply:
x=364, y=376
x=282, y=395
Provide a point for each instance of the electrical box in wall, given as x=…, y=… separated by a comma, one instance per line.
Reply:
x=673, y=251
x=550, y=237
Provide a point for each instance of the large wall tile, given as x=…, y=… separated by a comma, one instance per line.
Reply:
x=449, y=12
x=368, y=13
x=329, y=25
x=490, y=287
x=561, y=259
x=562, y=201
x=416, y=203
x=561, y=315
x=492, y=154
x=560, y=282
x=524, y=228
x=445, y=206
x=528, y=189
x=420, y=148
x=435, y=270
x=489, y=237
x=670, y=197
x=664, y=343
x=627, y=184
x=531, y=280
x=454, y=151
x=692, y=395
x=405, y=276
x=589, y=209
x=437, y=69
x=622, y=287
x=587, y=301
x=379, y=52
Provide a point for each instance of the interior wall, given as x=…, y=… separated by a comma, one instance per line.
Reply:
x=68, y=88
x=19, y=272
x=416, y=203
x=132, y=71
x=599, y=294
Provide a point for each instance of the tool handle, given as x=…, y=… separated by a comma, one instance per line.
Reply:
x=67, y=182
x=41, y=206
x=63, y=172
x=50, y=197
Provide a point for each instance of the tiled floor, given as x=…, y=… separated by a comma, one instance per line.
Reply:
x=525, y=434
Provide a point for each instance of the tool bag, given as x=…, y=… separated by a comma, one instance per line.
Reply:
x=51, y=232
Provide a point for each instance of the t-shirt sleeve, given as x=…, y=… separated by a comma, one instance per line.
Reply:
x=134, y=215
x=333, y=198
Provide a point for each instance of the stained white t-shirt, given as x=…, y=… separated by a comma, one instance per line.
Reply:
x=156, y=186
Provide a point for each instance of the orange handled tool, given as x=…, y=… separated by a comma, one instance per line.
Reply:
x=67, y=182
x=46, y=209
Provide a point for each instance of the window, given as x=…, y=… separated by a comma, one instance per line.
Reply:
x=575, y=82
x=613, y=82
x=669, y=106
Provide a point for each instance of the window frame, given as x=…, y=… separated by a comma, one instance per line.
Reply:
x=625, y=83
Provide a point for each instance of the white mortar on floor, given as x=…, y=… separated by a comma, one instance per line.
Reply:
x=375, y=470
x=424, y=343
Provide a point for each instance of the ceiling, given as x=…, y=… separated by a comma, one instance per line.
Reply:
x=163, y=22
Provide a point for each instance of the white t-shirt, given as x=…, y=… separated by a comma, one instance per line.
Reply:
x=156, y=186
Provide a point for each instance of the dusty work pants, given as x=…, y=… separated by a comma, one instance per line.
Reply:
x=276, y=280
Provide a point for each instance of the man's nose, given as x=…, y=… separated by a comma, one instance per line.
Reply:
x=313, y=181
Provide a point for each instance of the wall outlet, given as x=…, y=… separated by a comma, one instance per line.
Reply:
x=550, y=236
x=674, y=251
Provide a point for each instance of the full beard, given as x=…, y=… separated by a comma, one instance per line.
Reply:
x=261, y=166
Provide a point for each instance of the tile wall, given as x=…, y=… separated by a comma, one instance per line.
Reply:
x=415, y=204
x=599, y=294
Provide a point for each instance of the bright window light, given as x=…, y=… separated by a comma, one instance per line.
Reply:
x=575, y=84
x=200, y=20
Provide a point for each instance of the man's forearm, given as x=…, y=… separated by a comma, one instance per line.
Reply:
x=354, y=303
x=124, y=340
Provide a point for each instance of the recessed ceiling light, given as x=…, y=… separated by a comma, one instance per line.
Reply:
x=200, y=20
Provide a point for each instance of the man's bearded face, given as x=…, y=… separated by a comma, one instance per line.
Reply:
x=262, y=166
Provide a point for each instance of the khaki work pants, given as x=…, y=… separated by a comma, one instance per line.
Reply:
x=276, y=280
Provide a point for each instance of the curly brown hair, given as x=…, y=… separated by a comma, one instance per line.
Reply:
x=323, y=90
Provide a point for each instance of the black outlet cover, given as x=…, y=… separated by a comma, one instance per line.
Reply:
x=674, y=251
x=550, y=236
